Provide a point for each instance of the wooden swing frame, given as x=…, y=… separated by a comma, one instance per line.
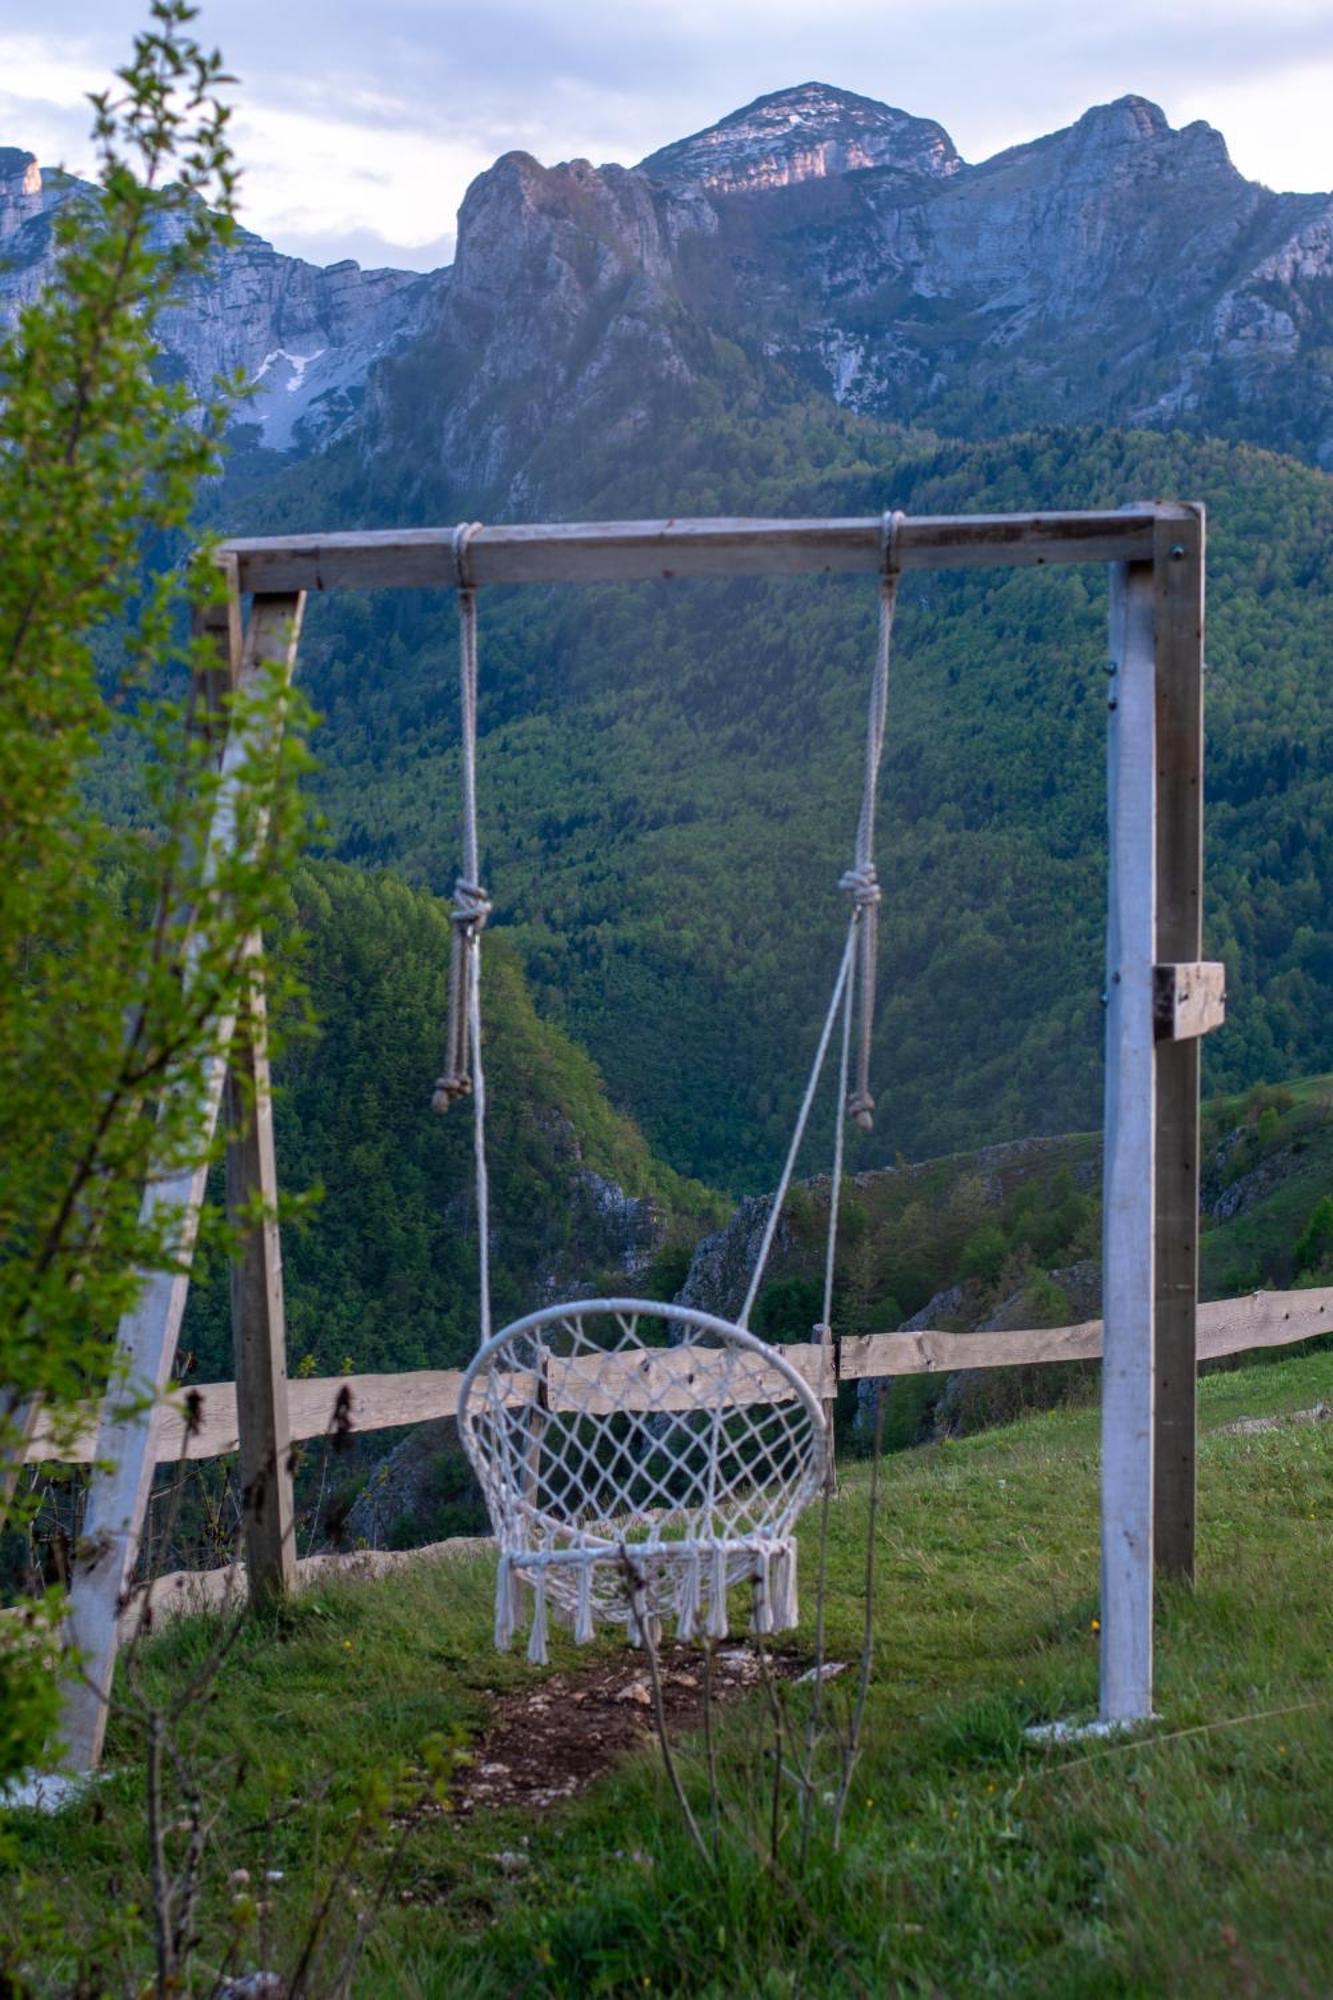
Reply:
x=1159, y=1000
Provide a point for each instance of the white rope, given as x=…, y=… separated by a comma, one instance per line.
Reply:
x=861, y=880
x=464, y=1074
x=862, y=933
x=471, y=905
x=802, y=1120
x=479, y=1138
x=839, y=1152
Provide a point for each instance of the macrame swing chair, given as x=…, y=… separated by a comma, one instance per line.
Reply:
x=630, y=1479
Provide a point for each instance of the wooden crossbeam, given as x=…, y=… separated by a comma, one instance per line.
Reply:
x=639, y=551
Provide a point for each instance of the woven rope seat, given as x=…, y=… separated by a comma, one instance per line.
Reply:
x=639, y=1459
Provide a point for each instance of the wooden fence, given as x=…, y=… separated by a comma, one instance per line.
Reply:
x=385, y=1402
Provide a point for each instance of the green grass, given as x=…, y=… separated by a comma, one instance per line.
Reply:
x=1193, y=1861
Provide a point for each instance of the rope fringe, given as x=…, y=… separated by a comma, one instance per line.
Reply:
x=505, y=1607
x=583, y=1630
x=687, y=1596
x=537, y=1636
x=717, y=1607
x=786, y=1613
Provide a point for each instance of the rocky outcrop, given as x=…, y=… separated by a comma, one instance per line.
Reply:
x=563, y=326
x=1118, y=271
x=303, y=337
x=803, y=134
x=719, y=1272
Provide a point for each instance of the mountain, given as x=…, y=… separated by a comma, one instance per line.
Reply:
x=816, y=241
x=1118, y=271
x=817, y=307
x=799, y=135
x=304, y=338
x=382, y=1268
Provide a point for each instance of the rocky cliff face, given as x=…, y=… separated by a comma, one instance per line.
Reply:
x=1118, y=271
x=305, y=338
x=799, y=135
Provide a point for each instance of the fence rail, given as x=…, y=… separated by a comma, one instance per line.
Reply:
x=365, y=1403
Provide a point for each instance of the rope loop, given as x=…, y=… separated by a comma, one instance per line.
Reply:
x=890, y=536
x=462, y=539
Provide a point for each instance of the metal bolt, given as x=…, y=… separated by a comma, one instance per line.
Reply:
x=1177, y=551
x=1113, y=703
x=1106, y=999
x=1112, y=667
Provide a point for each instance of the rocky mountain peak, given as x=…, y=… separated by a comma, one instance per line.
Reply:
x=20, y=188
x=805, y=133
x=1135, y=126
x=19, y=172
x=1127, y=121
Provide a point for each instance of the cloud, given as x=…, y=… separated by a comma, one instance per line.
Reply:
x=361, y=128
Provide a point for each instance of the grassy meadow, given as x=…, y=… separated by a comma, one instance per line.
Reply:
x=1195, y=1860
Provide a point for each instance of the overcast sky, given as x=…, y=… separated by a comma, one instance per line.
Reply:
x=361, y=122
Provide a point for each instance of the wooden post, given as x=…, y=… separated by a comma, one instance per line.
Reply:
x=1179, y=610
x=1128, y=1181
x=258, y=1318
x=147, y=1336
x=258, y=1324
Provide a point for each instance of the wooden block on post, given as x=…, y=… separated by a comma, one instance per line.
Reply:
x=1189, y=1000
x=1178, y=593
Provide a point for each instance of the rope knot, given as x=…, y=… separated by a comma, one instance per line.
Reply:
x=861, y=1109
x=862, y=885
x=448, y=1089
x=471, y=907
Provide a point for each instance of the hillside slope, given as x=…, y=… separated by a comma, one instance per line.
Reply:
x=381, y=1272
x=1193, y=1862
x=670, y=778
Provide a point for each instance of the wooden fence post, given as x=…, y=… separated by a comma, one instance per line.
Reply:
x=1179, y=606
x=1127, y=1235
x=148, y=1334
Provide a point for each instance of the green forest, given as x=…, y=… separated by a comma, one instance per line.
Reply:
x=669, y=784
x=380, y=1250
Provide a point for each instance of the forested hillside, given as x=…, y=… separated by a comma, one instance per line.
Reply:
x=670, y=779
x=381, y=1263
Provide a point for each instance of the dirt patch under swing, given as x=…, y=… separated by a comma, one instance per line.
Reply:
x=553, y=1740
